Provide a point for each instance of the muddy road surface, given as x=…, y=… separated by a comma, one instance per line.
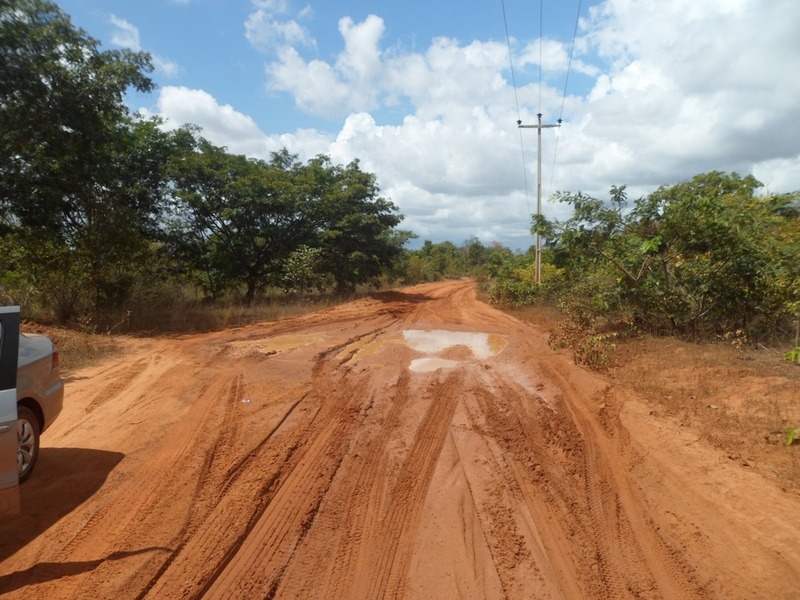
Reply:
x=413, y=444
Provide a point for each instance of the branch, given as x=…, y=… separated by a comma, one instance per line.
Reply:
x=616, y=262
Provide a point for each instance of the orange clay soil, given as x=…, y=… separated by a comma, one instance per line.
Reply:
x=414, y=444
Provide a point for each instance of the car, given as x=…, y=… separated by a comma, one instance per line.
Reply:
x=31, y=395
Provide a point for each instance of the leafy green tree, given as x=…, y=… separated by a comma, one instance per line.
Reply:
x=77, y=195
x=302, y=270
x=355, y=227
x=445, y=259
x=237, y=220
x=701, y=256
x=61, y=107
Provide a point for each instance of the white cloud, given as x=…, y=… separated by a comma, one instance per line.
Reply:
x=265, y=32
x=691, y=87
x=126, y=35
x=361, y=60
x=165, y=66
x=272, y=6
x=221, y=124
x=314, y=85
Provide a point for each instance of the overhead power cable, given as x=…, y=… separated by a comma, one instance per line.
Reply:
x=564, y=94
x=516, y=100
x=569, y=63
x=539, y=126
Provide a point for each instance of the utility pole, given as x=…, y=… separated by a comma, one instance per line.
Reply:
x=539, y=128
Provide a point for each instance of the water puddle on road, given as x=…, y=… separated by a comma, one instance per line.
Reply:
x=274, y=345
x=428, y=365
x=445, y=349
x=434, y=341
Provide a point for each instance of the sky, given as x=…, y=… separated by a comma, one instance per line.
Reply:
x=427, y=95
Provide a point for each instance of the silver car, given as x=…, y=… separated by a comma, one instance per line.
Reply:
x=37, y=398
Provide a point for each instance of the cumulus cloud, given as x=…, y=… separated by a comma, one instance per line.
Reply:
x=265, y=32
x=267, y=28
x=126, y=35
x=221, y=124
x=351, y=83
x=691, y=86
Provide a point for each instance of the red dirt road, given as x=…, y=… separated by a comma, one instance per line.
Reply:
x=415, y=444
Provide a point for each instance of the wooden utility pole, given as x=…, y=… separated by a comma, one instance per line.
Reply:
x=539, y=128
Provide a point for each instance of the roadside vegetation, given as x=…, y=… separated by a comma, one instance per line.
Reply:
x=703, y=259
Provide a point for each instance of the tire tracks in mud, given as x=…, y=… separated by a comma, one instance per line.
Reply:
x=535, y=524
x=580, y=524
x=377, y=505
x=634, y=552
x=120, y=382
x=397, y=533
x=254, y=566
x=236, y=499
x=206, y=437
x=614, y=552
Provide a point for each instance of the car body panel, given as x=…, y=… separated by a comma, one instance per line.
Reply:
x=38, y=380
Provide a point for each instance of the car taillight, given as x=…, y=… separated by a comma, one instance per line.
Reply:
x=56, y=358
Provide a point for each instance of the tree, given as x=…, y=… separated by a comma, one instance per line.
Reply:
x=302, y=271
x=700, y=256
x=237, y=219
x=443, y=259
x=354, y=226
x=75, y=199
x=61, y=107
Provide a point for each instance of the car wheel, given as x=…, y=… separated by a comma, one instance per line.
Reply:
x=28, y=442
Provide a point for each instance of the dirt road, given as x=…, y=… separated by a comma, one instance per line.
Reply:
x=414, y=444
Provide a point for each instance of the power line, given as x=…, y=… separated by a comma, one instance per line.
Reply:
x=541, y=43
x=510, y=60
x=569, y=63
x=564, y=94
x=516, y=101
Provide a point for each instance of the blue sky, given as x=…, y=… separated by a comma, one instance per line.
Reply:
x=421, y=93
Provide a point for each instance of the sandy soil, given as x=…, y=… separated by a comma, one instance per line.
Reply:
x=415, y=444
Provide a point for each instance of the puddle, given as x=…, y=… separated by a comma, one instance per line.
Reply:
x=280, y=343
x=428, y=365
x=482, y=345
x=445, y=349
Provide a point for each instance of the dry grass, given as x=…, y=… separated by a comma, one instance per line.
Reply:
x=94, y=337
x=77, y=348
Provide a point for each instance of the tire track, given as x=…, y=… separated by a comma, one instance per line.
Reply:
x=208, y=488
x=119, y=382
x=526, y=441
x=364, y=500
x=630, y=550
x=257, y=566
x=387, y=571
